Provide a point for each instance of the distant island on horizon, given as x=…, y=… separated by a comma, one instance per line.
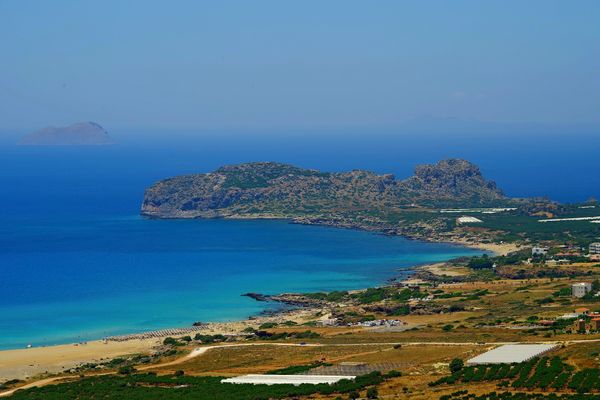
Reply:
x=78, y=134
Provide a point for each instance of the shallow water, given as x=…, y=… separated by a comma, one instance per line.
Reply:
x=78, y=263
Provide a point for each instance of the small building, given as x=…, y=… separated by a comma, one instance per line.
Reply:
x=582, y=311
x=539, y=251
x=595, y=248
x=569, y=316
x=328, y=322
x=468, y=220
x=286, y=379
x=581, y=289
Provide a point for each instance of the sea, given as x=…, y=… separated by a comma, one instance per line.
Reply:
x=78, y=262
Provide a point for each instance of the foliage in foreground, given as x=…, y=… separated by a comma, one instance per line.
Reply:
x=170, y=387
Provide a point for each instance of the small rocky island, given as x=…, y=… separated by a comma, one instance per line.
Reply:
x=355, y=199
x=79, y=134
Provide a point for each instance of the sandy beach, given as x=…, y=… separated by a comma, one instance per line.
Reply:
x=38, y=361
x=499, y=249
x=27, y=363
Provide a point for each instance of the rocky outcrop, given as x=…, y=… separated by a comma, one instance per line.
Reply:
x=79, y=134
x=266, y=189
x=449, y=180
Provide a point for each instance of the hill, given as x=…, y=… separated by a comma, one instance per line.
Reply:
x=79, y=134
x=267, y=189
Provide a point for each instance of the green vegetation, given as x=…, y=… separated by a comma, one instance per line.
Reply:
x=464, y=395
x=286, y=335
x=169, y=341
x=518, y=226
x=209, y=338
x=333, y=297
x=540, y=373
x=482, y=262
x=296, y=369
x=172, y=387
x=260, y=174
x=268, y=325
x=456, y=365
x=370, y=295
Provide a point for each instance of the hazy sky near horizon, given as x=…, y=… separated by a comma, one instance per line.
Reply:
x=273, y=63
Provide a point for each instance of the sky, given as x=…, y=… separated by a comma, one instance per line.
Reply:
x=297, y=64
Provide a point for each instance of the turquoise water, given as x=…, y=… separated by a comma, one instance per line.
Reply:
x=78, y=263
x=84, y=279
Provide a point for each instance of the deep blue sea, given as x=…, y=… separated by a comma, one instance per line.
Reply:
x=78, y=263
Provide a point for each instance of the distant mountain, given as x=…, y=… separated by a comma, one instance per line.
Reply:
x=266, y=189
x=79, y=134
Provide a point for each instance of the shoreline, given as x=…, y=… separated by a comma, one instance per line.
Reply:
x=28, y=363
x=39, y=362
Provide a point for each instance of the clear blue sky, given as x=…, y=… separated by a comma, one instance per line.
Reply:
x=264, y=64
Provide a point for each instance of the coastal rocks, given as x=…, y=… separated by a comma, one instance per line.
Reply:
x=257, y=296
x=275, y=190
x=79, y=134
x=289, y=299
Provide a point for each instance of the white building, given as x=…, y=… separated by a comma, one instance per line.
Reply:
x=581, y=289
x=511, y=353
x=468, y=220
x=286, y=379
x=539, y=251
x=595, y=248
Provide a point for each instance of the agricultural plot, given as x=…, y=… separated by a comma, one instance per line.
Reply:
x=538, y=373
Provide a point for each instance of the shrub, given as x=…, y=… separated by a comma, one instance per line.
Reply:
x=126, y=370
x=372, y=393
x=169, y=341
x=456, y=365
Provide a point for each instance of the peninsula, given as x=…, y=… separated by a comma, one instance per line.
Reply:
x=449, y=201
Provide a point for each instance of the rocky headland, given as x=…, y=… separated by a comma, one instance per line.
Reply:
x=357, y=199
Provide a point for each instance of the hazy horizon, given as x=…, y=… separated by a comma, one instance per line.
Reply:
x=295, y=66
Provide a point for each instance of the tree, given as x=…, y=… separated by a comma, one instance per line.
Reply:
x=372, y=393
x=179, y=372
x=456, y=365
x=353, y=395
x=595, y=286
x=482, y=262
x=169, y=341
x=126, y=370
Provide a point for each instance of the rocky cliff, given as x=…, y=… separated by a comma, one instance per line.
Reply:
x=266, y=189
